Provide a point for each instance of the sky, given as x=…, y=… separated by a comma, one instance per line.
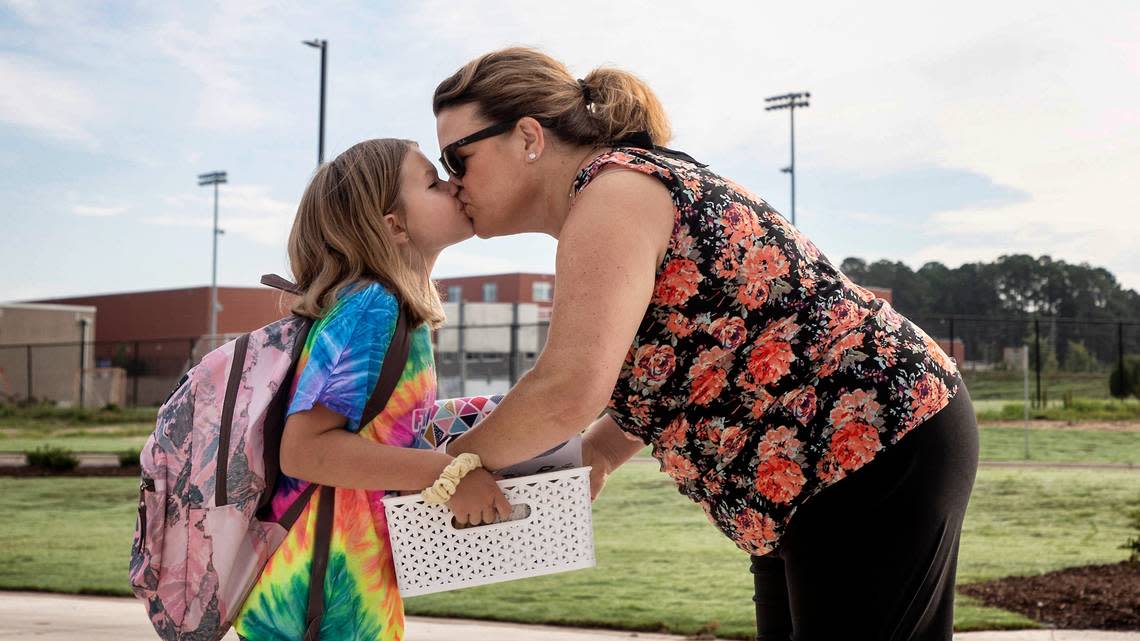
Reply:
x=949, y=132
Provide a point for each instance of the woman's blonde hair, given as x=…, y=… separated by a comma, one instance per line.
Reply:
x=517, y=82
x=339, y=237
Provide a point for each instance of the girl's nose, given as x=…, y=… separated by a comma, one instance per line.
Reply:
x=452, y=188
x=455, y=181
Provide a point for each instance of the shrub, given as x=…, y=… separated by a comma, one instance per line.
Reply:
x=56, y=459
x=1133, y=544
x=128, y=458
x=1126, y=382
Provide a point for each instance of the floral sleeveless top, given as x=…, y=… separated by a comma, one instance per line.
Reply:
x=760, y=373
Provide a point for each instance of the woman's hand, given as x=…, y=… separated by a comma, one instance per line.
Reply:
x=604, y=448
x=478, y=499
x=599, y=469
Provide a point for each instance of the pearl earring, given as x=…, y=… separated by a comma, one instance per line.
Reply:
x=532, y=156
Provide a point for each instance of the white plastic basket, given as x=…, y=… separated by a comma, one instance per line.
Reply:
x=432, y=555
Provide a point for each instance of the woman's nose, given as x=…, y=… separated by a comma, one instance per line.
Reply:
x=452, y=189
x=455, y=181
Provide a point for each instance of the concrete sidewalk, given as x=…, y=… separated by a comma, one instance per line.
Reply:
x=53, y=617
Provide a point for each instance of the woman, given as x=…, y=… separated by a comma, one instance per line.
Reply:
x=777, y=394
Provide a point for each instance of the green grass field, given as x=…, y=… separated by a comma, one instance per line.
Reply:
x=997, y=443
x=661, y=566
x=1010, y=385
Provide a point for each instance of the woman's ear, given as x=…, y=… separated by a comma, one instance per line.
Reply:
x=396, y=228
x=534, y=139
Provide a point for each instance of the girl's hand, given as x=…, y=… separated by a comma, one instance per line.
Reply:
x=478, y=499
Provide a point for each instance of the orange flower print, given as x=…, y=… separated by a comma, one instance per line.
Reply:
x=828, y=470
x=652, y=364
x=678, y=325
x=693, y=185
x=740, y=223
x=779, y=479
x=784, y=330
x=732, y=440
x=936, y=353
x=769, y=362
x=683, y=245
x=755, y=531
x=727, y=263
x=677, y=282
x=678, y=467
x=730, y=331
x=844, y=316
x=708, y=430
x=674, y=435
x=761, y=265
x=859, y=405
x=854, y=444
x=928, y=395
x=890, y=319
x=753, y=294
x=708, y=378
x=779, y=442
x=803, y=405
x=762, y=401
x=713, y=484
x=639, y=408
x=886, y=347
x=838, y=352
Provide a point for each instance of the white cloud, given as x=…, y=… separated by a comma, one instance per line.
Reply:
x=45, y=100
x=97, y=211
x=246, y=210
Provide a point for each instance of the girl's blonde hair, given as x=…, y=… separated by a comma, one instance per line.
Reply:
x=517, y=82
x=340, y=239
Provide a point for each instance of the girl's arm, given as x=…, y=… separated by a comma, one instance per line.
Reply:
x=608, y=251
x=316, y=448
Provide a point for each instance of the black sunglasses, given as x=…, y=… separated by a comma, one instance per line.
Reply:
x=449, y=156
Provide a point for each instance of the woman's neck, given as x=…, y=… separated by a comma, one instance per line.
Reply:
x=556, y=189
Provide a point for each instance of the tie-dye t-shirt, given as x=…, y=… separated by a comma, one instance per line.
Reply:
x=339, y=368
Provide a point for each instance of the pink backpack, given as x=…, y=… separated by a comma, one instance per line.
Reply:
x=203, y=533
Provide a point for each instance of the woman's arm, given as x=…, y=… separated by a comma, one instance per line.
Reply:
x=608, y=251
x=605, y=447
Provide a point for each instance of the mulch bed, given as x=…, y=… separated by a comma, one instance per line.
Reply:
x=1100, y=597
x=29, y=471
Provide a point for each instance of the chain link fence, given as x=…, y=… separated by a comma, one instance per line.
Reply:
x=1046, y=360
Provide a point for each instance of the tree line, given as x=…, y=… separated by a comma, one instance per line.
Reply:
x=993, y=306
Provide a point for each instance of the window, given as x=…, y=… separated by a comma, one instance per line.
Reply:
x=454, y=293
x=490, y=292
x=543, y=292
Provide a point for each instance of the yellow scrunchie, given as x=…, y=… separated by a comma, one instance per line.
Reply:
x=444, y=487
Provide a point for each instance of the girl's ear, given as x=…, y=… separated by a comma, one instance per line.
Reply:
x=396, y=228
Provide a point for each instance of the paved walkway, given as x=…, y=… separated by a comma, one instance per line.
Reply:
x=53, y=617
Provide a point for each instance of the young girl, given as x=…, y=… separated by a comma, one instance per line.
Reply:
x=368, y=230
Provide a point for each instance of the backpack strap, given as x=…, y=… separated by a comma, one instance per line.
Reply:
x=237, y=366
x=284, y=284
x=390, y=371
x=320, y=563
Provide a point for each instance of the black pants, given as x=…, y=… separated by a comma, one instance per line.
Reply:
x=873, y=556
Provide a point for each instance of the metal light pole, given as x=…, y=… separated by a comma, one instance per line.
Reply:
x=790, y=101
x=214, y=178
x=323, y=45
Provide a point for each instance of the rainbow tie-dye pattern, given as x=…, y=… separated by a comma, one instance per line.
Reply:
x=339, y=367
